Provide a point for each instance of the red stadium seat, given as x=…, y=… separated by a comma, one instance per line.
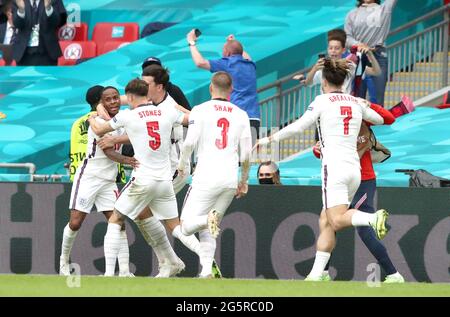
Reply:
x=73, y=51
x=70, y=32
x=3, y=63
x=106, y=32
x=110, y=46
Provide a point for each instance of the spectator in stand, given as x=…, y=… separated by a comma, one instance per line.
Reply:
x=336, y=50
x=174, y=91
x=242, y=69
x=36, y=42
x=7, y=30
x=268, y=173
x=368, y=25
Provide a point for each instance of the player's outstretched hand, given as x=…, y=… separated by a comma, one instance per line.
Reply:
x=242, y=190
x=132, y=162
x=106, y=142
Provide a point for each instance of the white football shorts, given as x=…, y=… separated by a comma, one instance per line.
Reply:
x=88, y=191
x=339, y=184
x=198, y=202
x=138, y=194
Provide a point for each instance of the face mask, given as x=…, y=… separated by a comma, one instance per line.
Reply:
x=266, y=181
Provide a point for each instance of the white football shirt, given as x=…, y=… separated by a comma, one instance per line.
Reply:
x=338, y=117
x=97, y=163
x=149, y=128
x=219, y=129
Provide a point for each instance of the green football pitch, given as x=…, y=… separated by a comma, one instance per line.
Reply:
x=49, y=285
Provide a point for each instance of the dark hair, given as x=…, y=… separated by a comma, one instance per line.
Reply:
x=137, y=87
x=337, y=35
x=160, y=75
x=360, y=2
x=335, y=71
x=222, y=81
x=93, y=96
x=110, y=87
x=149, y=69
x=276, y=174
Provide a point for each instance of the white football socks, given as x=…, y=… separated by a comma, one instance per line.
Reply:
x=68, y=238
x=111, y=247
x=194, y=224
x=207, y=251
x=360, y=218
x=320, y=262
x=157, y=236
x=124, y=254
x=149, y=222
x=189, y=241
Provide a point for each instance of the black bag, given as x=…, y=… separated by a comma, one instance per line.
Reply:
x=421, y=178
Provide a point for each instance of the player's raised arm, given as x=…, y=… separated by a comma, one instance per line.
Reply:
x=297, y=127
x=99, y=128
x=370, y=115
x=109, y=141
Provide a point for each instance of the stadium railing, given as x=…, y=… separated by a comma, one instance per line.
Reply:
x=30, y=166
x=418, y=56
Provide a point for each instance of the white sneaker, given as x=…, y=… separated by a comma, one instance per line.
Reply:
x=126, y=274
x=320, y=278
x=213, y=223
x=64, y=268
x=395, y=278
x=170, y=269
x=206, y=276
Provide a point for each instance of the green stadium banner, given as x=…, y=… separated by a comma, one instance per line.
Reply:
x=269, y=234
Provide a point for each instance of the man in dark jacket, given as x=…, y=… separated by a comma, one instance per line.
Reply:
x=36, y=21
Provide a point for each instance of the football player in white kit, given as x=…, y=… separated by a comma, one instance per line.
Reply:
x=148, y=128
x=338, y=117
x=95, y=183
x=219, y=130
x=158, y=96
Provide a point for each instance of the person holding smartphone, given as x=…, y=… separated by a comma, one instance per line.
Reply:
x=236, y=62
x=336, y=50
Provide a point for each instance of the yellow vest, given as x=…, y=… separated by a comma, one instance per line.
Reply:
x=78, y=145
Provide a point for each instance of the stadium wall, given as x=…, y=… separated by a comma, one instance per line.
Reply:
x=268, y=234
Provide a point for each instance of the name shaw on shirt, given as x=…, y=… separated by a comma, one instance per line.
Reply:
x=223, y=108
x=149, y=113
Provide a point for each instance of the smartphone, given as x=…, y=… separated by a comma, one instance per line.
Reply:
x=197, y=32
x=321, y=56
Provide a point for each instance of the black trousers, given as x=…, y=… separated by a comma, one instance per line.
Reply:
x=36, y=59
